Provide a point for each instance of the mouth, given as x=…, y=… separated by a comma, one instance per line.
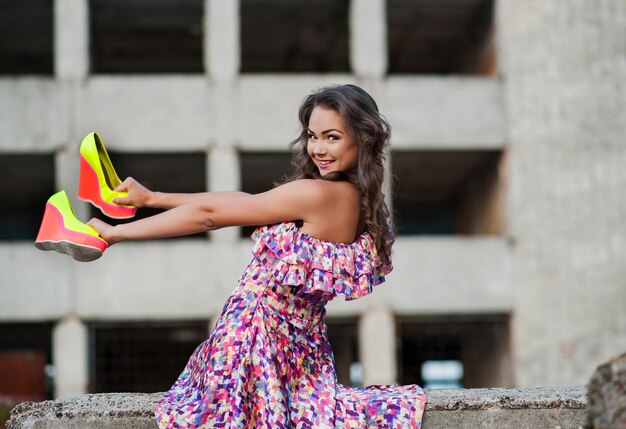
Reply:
x=324, y=163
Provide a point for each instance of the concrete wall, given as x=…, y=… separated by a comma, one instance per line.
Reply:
x=564, y=68
x=184, y=113
x=191, y=279
x=445, y=408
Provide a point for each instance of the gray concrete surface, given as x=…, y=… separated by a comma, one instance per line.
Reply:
x=562, y=408
x=564, y=67
x=607, y=395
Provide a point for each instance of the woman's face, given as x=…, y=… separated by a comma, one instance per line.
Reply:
x=329, y=145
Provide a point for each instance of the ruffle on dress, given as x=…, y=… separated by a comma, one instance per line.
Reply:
x=320, y=267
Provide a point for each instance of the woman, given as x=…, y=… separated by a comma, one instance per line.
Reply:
x=268, y=363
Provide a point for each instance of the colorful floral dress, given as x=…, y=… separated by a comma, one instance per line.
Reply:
x=268, y=363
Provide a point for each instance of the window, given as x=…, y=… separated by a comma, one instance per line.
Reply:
x=141, y=357
x=31, y=179
x=294, y=36
x=343, y=337
x=455, y=351
x=25, y=361
x=146, y=36
x=439, y=37
x=259, y=172
x=26, y=37
x=447, y=192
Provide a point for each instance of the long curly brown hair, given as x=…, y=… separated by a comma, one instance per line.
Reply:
x=372, y=132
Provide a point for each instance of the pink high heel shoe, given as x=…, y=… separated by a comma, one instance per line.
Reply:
x=61, y=231
x=98, y=179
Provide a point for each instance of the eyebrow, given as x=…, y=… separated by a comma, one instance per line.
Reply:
x=327, y=131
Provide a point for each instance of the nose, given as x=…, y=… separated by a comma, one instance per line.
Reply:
x=319, y=147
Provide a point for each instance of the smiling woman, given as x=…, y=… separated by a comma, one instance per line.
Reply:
x=329, y=145
x=325, y=233
x=354, y=112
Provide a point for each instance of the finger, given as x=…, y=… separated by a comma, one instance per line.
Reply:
x=122, y=200
x=123, y=187
x=94, y=222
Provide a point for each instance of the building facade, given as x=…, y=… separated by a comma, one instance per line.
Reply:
x=506, y=177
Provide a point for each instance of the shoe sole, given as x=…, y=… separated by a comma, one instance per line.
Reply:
x=79, y=252
x=53, y=235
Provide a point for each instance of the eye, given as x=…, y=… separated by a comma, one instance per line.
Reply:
x=311, y=136
x=333, y=138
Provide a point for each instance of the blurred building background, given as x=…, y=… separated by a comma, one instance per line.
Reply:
x=507, y=177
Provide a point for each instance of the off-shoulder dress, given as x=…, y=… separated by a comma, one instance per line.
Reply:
x=268, y=363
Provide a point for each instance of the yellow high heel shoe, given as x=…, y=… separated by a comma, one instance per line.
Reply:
x=98, y=179
x=61, y=231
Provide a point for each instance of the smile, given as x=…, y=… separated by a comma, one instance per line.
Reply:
x=324, y=163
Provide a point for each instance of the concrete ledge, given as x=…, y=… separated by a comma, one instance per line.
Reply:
x=561, y=408
x=104, y=410
x=558, y=408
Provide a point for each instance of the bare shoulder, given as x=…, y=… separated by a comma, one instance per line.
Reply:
x=340, y=191
x=333, y=210
x=322, y=191
x=300, y=185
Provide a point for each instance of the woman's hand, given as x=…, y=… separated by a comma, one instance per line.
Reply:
x=138, y=195
x=104, y=229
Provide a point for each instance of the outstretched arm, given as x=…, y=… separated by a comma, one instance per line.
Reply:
x=294, y=200
x=140, y=196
